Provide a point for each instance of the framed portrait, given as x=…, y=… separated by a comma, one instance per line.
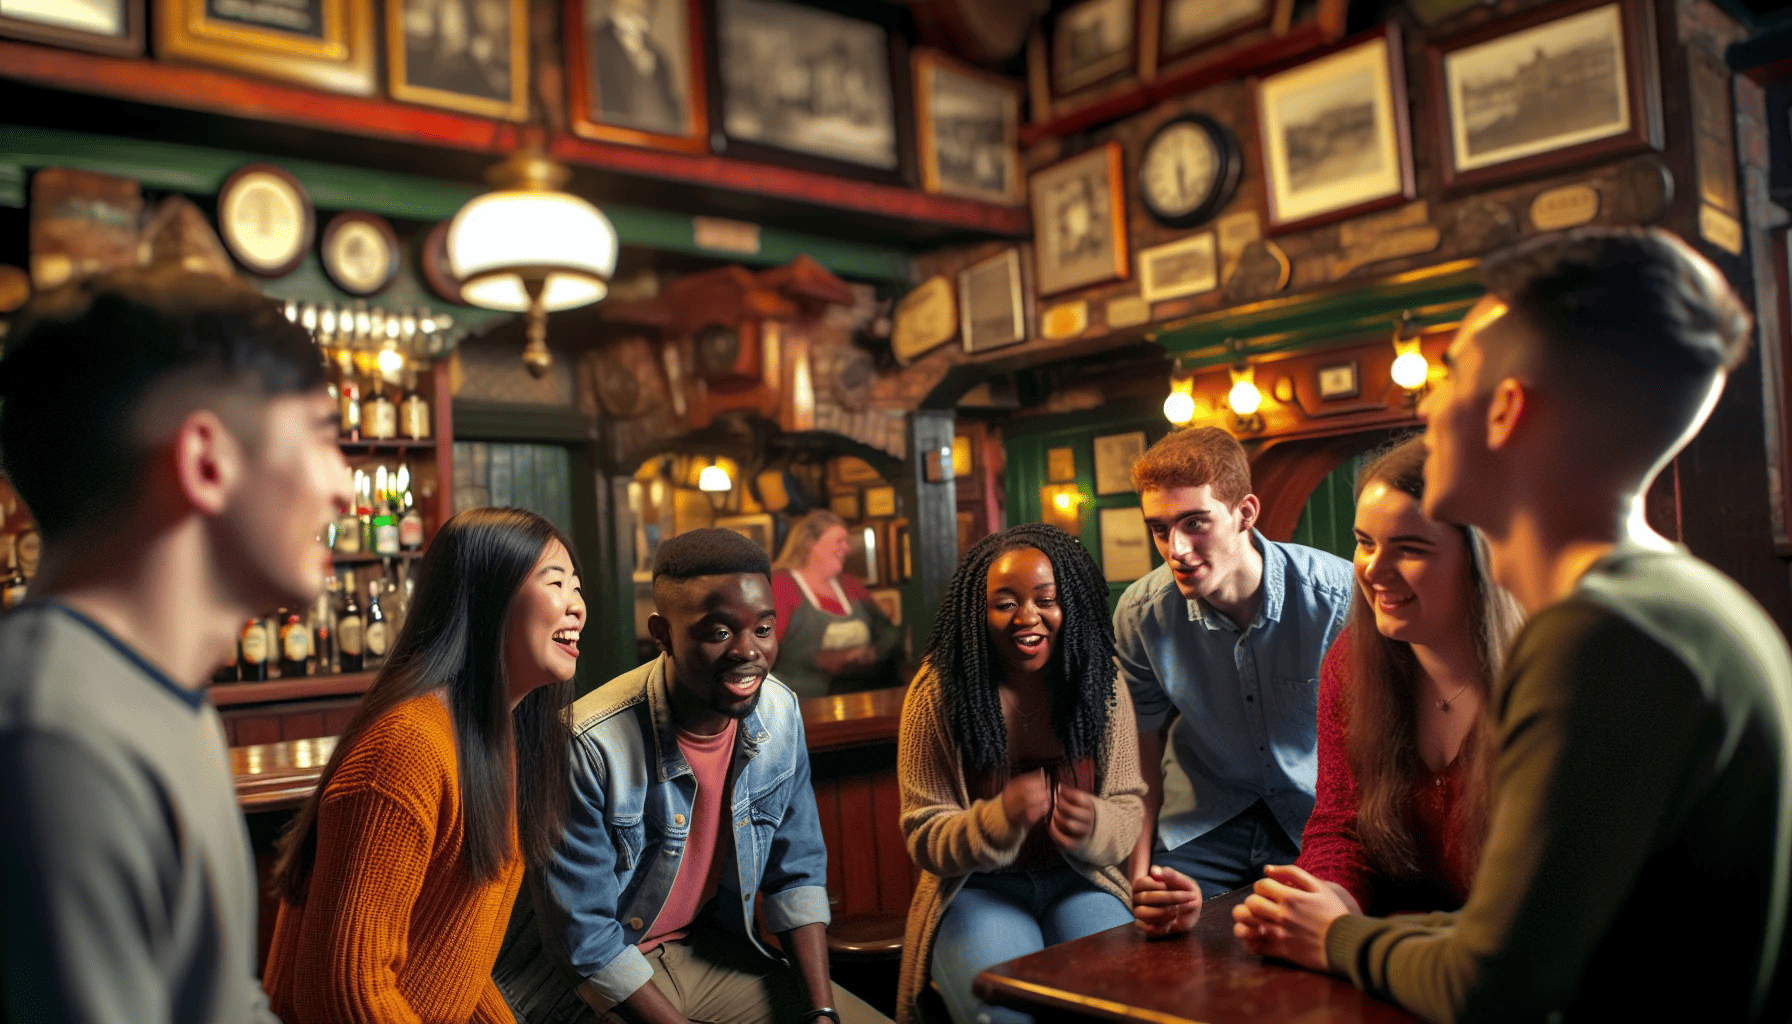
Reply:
x=1079, y=220
x=1551, y=88
x=760, y=528
x=811, y=87
x=1114, y=456
x=103, y=26
x=1180, y=27
x=845, y=505
x=880, y=502
x=990, y=304
x=902, y=555
x=1092, y=42
x=324, y=44
x=1187, y=266
x=1125, y=544
x=967, y=125
x=1334, y=133
x=889, y=601
x=467, y=55
x=635, y=73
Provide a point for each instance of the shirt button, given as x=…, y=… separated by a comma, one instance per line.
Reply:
x=678, y=819
x=1249, y=699
x=634, y=924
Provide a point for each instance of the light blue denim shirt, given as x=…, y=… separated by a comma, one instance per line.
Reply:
x=1247, y=699
x=627, y=826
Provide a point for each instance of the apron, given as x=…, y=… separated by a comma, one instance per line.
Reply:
x=814, y=629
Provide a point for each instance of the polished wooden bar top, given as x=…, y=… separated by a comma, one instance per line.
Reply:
x=274, y=776
x=1206, y=976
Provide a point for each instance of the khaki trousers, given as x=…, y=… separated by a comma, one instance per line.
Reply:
x=715, y=977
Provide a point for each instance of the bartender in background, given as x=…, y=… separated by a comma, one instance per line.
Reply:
x=832, y=637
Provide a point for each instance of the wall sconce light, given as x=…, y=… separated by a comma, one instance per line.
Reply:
x=714, y=481
x=1179, y=407
x=1410, y=370
x=1244, y=398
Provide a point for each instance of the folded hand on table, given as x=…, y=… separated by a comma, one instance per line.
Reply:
x=1165, y=901
x=1287, y=914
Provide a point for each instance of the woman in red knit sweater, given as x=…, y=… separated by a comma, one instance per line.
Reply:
x=397, y=877
x=1404, y=732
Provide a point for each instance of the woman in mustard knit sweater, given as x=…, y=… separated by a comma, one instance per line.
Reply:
x=397, y=877
x=1018, y=762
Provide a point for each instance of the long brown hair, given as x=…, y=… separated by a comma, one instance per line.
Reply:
x=803, y=536
x=453, y=640
x=1384, y=694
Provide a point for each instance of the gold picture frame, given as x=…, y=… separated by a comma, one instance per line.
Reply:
x=458, y=80
x=666, y=108
x=971, y=106
x=327, y=45
x=1079, y=220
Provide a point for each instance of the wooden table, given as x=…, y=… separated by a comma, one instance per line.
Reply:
x=1204, y=977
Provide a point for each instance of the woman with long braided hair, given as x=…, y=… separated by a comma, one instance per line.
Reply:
x=1018, y=761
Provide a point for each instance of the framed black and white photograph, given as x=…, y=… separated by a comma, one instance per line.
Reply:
x=968, y=128
x=1552, y=88
x=1079, y=220
x=1114, y=456
x=1337, y=381
x=990, y=303
x=103, y=26
x=1187, y=266
x=1091, y=43
x=798, y=81
x=1184, y=26
x=467, y=55
x=635, y=72
x=323, y=44
x=1334, y=133
x=1125, y=544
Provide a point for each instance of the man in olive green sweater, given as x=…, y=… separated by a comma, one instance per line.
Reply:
x=1636, y=862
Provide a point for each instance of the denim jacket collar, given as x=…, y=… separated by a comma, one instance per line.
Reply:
x=669, y=762
x=1275, y=571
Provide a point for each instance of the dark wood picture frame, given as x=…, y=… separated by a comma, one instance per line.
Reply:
x=893, y=22
x=307, y=233
x=1641, y=91
x=340, y=59
x=1060, y=88
x=928, y=64
x=975, y=296
x=514, y=107
x=583, y=93
x=127, y=43
x=1279, y=220
x=1153, y=43
x=387, y=236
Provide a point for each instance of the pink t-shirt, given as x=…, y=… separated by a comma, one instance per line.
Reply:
x=701, y=867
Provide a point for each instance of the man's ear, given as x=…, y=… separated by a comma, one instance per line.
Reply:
x=1506, y=408
x=209, y=462
x=661, y=630
x=1248, y=510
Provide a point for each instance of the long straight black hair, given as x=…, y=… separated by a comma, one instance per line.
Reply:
x=453, y=639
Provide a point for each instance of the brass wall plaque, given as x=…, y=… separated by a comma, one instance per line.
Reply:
x=926, y=318
x=1366, y=230
x=1564, y=207
x=1127, y=311
x=1405, y=242
x=1263, y=270
x=1646, y=189
x=1065, y=320
x=1720, y=229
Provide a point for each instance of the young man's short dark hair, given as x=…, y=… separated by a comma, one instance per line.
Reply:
x=86, y=355
x=707, y=552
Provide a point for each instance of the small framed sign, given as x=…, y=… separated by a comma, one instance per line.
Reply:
x=1114, y=456
x=1338, y=381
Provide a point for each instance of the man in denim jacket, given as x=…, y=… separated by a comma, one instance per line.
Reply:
x=690, y=800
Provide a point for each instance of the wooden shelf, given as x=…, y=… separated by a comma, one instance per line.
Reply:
x=395, y=445
x=218, y=92
x=231, y=694
x=365, y=558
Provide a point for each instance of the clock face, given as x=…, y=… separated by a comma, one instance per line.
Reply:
x=360, y=253
x=1189, y=170
x=264, y=217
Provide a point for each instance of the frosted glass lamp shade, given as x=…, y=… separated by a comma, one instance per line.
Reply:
x=714, y=480
x=1410, y=369
x=501, y=240
x=1179, y=408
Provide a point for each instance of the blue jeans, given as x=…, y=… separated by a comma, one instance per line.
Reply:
x=1233, y=854
x=997, y=917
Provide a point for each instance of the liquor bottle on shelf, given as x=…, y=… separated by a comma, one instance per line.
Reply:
x=379, y=416
x=350, y=631
x=295, y=647
x=227, y=672
x=377, y=636
x=323, y=640
x=410, y=528
x=348, y=533
x=385, y=530
x=348, y=396
x=413, y=412
x=254, y=656
x=12, y=586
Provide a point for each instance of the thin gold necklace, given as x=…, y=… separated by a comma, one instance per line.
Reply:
x=1444, y=703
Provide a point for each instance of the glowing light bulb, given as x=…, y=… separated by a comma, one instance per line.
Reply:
x=1410, y=369
x=1179, y=408
x=714, y=479
x=1063, y=501
x=1244, y=398
x=390, y=362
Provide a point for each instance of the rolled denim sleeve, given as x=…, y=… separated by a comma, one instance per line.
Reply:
x=1151, y=705
x=581, y=884
x=796, y=866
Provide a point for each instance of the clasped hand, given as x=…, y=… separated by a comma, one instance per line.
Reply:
x=1027, y=799
x=1165, y=901
x=1287, y=915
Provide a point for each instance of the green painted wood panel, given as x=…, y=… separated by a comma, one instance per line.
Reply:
x=1328, y=521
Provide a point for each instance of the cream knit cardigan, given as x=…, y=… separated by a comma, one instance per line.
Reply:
x=950, y=836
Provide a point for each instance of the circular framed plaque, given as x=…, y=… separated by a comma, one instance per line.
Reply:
x=360, y=253
x=265, y=219
x=433, y=263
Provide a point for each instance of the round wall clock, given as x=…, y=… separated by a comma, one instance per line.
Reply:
x=360, y=253
x=1189, y=170
x=265, y=219
x=432, y=259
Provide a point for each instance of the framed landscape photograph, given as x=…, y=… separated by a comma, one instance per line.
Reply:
x=991, y=304
x=1079, y=220
x=103, y=26
x=968, y=128
x=811, y=87
x=467, y=55
x=1183, y=26
x=1092, y=42
x=1187, y=266
x=1553, y=87
x=324, y=44
x=634, y=72
x=1334, y=133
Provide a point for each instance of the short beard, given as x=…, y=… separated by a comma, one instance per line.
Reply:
x=740, y=711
